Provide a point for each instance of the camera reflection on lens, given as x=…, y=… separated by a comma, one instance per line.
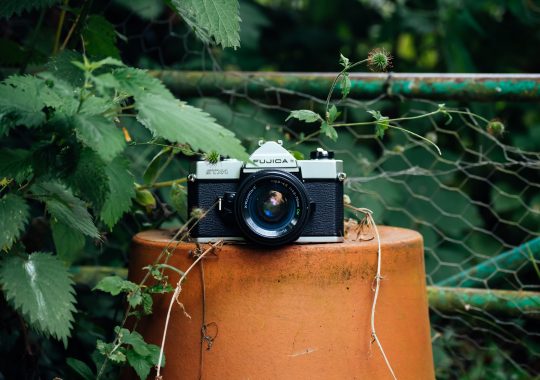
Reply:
x=273, y=205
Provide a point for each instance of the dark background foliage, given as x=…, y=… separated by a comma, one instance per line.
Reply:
x=423, y=36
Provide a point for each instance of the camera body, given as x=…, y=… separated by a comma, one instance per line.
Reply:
x=271, y=200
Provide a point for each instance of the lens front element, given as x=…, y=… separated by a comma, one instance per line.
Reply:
x=272, y=207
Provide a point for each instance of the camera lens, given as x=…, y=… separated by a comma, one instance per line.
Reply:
x=272, y=207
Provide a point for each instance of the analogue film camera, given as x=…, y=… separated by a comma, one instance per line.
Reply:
x=271, y=200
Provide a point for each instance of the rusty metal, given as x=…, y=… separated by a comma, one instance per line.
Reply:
x=508, y=302
x=482, y=87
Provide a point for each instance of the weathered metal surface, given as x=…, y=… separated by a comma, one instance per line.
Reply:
x=508, y=302
x=491, y=270
x=484, y=87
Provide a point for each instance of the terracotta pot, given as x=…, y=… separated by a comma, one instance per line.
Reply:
x=299, y=312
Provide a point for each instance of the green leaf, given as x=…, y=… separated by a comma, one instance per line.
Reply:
x=136, y=341
x=10, y=7
x=147, y=303
x=61, y=66
x=99, y=38
x=167, y=117
x=81, y=369
x=99, y=134
x=15, y=163
x=304, y=115
x=137, y=82
x=179, y=200
x=117, y=356
x=69, y=242
x=329, y=131
x=142, y=356
x=135, y=298
x=382, y=123
x=121, y=191
x=39, y=287
x=179, y=122
x=217, y=19
x=333, y=114
x=343, y=61
x=21, y=102
x=297, y=154
x=65, y=207
x=145, y=198
x=345, y=85
x=141, y=364
x=115, y=285
x=154, y=167
x=89, y=179
x=380, y=128
x=14, y=215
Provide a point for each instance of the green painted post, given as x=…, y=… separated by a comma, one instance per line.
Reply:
x=494, y=268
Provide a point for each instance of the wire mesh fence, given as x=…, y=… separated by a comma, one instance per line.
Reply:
x=477, y=205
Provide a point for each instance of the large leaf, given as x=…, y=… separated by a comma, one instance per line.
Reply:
x=68, y=241
x=15, y=163
x=137, y=82
x=174, y=120
x=212, y=19
x=81, y=369
x=21, y=103
x=121, y=191
x=9, y=7
x=179, y=122
x=39, y=287
x=65, y=207
x=100, y=134
x=14, y=214
x=89, y=180
x=100, y=38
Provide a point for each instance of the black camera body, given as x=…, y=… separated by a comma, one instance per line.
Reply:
x=272, y=200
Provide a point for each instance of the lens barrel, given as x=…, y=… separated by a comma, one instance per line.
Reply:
x=272, y=207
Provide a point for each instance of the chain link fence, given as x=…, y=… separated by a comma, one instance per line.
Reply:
x=477, y=205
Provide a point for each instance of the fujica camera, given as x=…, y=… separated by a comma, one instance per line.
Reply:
x=271, y=200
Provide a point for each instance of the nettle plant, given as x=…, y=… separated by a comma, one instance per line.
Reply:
x=64, y=170
x=378, y=59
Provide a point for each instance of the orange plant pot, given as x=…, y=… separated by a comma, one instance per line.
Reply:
x=299, y=312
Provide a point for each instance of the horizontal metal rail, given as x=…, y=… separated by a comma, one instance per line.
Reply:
x=507, y=302
x=482, y=87
x=496, y=267
x=443, y=299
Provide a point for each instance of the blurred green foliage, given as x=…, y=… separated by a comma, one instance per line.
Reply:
x=458, y=213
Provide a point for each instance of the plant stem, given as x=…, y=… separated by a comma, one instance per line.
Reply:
x=418, y=136
x=378, y=277
x=346, y=69
x=175, y=297
x=159, y=185
x=59, y=27
x=77, y=25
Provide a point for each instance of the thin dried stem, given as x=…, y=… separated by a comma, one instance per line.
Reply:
x=174, y=298
x=378, y=277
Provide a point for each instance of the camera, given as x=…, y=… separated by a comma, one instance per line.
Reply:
x=273, y=199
